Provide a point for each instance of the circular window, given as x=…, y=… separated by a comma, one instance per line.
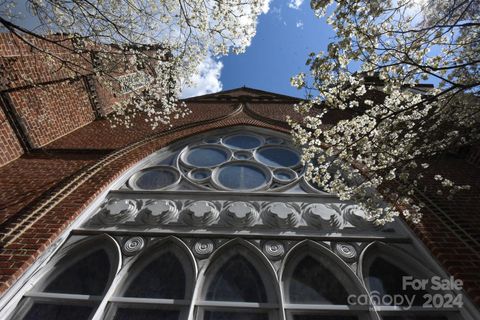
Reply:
x=284, y=174
x=242, y=141
x=274, y=140
x=200, y=174
x=242, y=175
x=206, y=156
x=278, y=157
x=154, y=178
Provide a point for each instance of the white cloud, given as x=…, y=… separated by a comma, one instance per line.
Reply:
x=299, y=24
x=295, y=4
x=207, y=79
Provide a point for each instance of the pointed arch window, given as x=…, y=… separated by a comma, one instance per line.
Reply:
x=158, y=285
x=316, y=286
x=238, y=286
x=74, y=284
x=384, y=268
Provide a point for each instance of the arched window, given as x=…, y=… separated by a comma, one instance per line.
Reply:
x=316, y=285
x=388, y=272
x=74, y=284
x=158, y=285
x=238, y=285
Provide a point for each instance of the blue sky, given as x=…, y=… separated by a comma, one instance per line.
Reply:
x=285, y=36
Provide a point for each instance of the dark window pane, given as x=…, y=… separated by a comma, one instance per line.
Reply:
x=237, y=280
x=219, y=315
x=152, y=314
x=206, y=156
x=241, y=176
x=277, y=157
x=242, y=141
x=322, y=317
x=43, y=311
x=163, y=278
x=414, y=317
x=386, y=279
x=155, y=179
x=87, y=276
x=312, y=282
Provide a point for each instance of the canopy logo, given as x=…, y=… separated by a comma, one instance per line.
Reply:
x=435, y=292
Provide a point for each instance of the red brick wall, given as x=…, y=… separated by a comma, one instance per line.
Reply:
x=49, y=112
x=49, y=104
x=10, y=148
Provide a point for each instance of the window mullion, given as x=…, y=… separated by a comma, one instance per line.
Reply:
x=63, y=297
x=236, y=304
x=179, y=302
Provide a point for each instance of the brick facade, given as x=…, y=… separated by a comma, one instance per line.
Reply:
x=11, y=148
x=47, y=101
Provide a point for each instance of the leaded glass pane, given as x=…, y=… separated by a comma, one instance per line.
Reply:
x=277, y=157
x=237, y=280
x=386, y=279
x=322, y=317
x=145, y=314
x=88, y=276
x=415, y=317
x=162, y=278
x=44, y=311
x=155, y=178
x=312, y=282
x=242, y=141
x=222, y=315
x=241, y=176
x=206, y=156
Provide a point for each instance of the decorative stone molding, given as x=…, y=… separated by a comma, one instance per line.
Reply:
x=118, y=210
x=200, y=213
x=159, y=211
x=323, y=216
x=237, y=211
x=273, y=250
x=240, y=214
x=357, y=217
x=281, y=214
x=346, y=251
x=133, y=246
x=203, y=248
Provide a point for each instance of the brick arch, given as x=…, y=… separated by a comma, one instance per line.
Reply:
x=37, y=229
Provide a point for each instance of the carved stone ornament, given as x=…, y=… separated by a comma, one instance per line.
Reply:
x=323, y=216
x=281, y=214
x=133, y=246
x=240, y=214
x=203, y=248
x=200, y=213
x=273, y=249
x=118, y=210
x=357, y=217
x=160, y=211
x=347, y=251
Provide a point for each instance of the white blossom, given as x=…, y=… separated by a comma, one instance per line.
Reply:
x=394, y=127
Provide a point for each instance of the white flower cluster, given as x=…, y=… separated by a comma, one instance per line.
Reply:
x=167, y=40
x=392, y=127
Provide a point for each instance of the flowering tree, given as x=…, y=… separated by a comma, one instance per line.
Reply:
x=159, y=43
x=391, y=126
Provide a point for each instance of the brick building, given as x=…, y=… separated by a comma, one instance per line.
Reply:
x=208, y=219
